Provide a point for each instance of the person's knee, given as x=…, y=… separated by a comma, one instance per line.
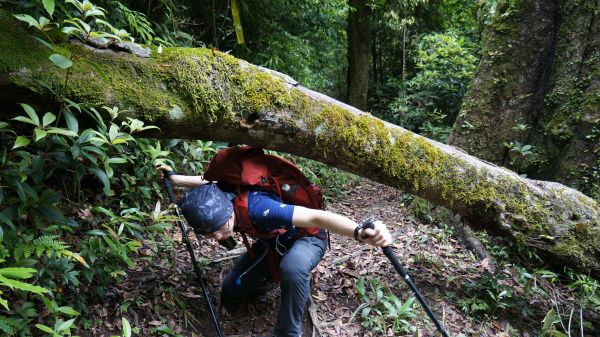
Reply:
x=290, y=272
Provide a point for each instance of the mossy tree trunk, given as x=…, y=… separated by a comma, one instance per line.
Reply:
x=359, y=42
x=540, y=66
x=195, y=93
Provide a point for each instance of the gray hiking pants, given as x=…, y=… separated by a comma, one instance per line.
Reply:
x=301, y=257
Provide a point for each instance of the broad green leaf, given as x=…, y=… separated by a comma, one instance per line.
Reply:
x=126, y=328
x=20, y=142
x=4, y=303
x=39, y=134
x=102, y=22
x=104, y=211
x=26, y=18
x=61, y=61
x=41, y=41
x=48, y=118
x=109, y=171
x=97, y=232
x=85, y=26
x=164, y=329
x=72, y=122
x=113, y=133
x=114, y=111
x=50, y=304
x=45, y=328
x=548, y=321
x=408, y=304
x=391, y=309
x=21, y=285
x=87, y=6
x=25, y=120
x=94, y=12
x=117, y=160
x=61, y=131
x=71, y=30
x=17, y=272
x=103, y=178
x=98, y=137
x=66, y=325
x=110, y=244
x=31, y=113
x=49, y=6
x=556, y=333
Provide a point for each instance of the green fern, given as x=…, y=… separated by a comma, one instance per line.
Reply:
x=47, y=245
x=137, y=22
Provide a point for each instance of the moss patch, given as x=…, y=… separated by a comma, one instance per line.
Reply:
x=14, y=44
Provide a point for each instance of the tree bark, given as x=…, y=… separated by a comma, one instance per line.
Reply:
x=540, y=66
x=359, y=41
x=198, y=93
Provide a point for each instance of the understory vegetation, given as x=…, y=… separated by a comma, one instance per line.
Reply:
x=80, y=205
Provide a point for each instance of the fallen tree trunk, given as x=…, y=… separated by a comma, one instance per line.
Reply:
x=197, y=93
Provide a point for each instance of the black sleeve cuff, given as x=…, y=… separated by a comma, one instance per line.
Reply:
x=356, y=232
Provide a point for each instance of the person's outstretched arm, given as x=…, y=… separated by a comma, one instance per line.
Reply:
x=339, y=224
x=180, y=180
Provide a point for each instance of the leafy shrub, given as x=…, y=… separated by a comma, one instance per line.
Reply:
x=48, y=221
x=490, y=294
x=381, y=312
x=434, y=95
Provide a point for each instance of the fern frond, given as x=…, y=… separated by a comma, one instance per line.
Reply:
x=137, y=22
x=50, y=245
x=23, y=250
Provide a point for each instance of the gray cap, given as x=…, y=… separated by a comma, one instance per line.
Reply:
x=206, y=208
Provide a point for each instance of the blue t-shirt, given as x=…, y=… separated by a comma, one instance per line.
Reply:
x=267, y=212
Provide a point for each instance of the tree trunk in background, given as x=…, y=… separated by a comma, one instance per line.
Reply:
x=197, y=93
x=540, y=66
x=358, y=53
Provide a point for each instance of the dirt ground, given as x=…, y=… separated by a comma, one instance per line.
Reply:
x=163, y=299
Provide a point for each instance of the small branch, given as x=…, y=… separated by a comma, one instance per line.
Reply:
x=348, y=257
x=232, y=254
x=312, y=311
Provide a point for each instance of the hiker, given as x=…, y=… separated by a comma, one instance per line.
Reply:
x=299, y=247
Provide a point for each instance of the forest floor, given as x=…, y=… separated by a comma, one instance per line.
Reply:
x=162, y=298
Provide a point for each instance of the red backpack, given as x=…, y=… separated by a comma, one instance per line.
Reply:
x=247, y=167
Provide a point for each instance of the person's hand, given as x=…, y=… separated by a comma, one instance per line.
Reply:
x=161, y=169
x=378, y=236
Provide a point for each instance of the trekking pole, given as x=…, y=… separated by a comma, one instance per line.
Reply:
x=188, y=245
x=387, y=251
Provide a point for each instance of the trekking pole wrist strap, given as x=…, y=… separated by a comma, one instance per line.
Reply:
x=357, y=232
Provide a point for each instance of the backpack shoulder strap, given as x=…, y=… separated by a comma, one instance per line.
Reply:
x=240, y=207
